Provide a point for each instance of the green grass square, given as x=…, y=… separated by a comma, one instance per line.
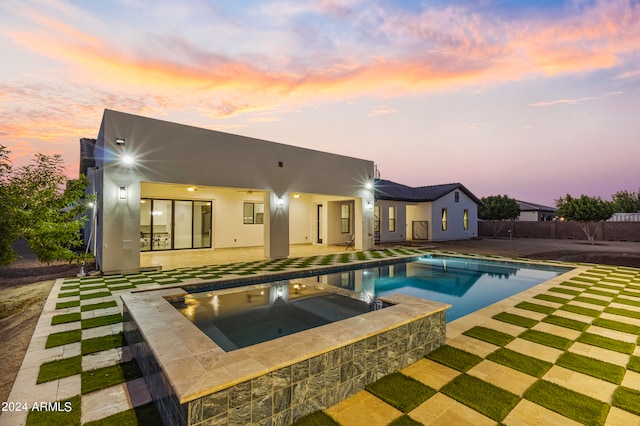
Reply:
x=101, y=305
x=585, y=279
x=63, y=338
x=546, y=339
x=60, y=368
x=566, y=322
x=69, y=304
x=68, y=414
x=100, y=321
x=623, y=312
x=606, y=343
x=535, y=307
x=627, y=399
x=575, y=285
x=523, y=363
x=405, y=420
x=97, y=344
x=489, y=335
x=581, y=311
x=600, y=292
x=488, y=399
x=65, y=318
x=101, y=378
x=400, y=391
x=634, y=364
x=592, y=367
x=610, y=287
x=317, y=418
x=455, y=358
x=550, y=298
x=617, y=325
x=564, y=291
x=515, y=319
x=591, y=300
x=628, y=302
x=95, y=295
x=68, y=294
x=578, y=407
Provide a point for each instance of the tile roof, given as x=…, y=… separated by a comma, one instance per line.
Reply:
x=526, y=206
x=393, y=191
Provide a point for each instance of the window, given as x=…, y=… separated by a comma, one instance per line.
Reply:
x=376, y=219
x=456, y=196
x=392, y=219
x=444, y=219
x=465, y=219
x=253, y=213
x=174, y=224
x=345, y=218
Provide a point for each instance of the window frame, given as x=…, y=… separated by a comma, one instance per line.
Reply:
x=345, y=221
x=444, y=219
x=392, y=218
x=253, y=219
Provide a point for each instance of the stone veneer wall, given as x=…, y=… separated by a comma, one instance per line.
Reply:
x=284, y=395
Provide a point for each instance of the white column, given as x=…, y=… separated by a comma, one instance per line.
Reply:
x=276, y=225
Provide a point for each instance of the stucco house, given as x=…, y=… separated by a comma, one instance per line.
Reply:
x=425, y=213
x=535, y=212
x=167, y=186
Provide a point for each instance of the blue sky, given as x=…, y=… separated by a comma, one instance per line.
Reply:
x=530, y=99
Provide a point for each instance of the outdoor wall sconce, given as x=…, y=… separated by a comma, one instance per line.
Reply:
x=368, y=185
x=127, y=159
x=369, y=205
x=120, y=141
x=280, y=201
x=122, y=192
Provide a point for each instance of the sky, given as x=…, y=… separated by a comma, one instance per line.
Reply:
x=534, y=100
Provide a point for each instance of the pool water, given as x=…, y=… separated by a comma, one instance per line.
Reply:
x=250, y=315
x=466, y=284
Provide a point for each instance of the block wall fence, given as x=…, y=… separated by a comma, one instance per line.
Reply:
x=605, y=231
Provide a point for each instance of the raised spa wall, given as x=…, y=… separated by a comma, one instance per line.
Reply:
x=194, y=382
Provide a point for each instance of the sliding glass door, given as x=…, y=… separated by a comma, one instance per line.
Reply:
x=174, y=224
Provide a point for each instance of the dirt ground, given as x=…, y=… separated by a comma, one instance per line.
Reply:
x=25, y=286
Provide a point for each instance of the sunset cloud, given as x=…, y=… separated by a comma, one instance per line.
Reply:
x=283, y=65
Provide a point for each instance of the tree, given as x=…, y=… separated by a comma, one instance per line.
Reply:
x=40, y=206
x=497, y=209
x=586, y=211
x=626, y=202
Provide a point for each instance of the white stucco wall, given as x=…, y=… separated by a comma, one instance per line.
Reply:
x=455, y=211
x=387, y=236
x=528, y=216
x=174, y=153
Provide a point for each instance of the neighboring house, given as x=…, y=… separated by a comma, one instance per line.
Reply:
x=625, y=217
x=167, y=186
x=536, y=212
x=425, y=213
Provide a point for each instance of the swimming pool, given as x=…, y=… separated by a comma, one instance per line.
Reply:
x=467, y=284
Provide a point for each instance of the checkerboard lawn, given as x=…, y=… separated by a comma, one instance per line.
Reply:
x=571, y=351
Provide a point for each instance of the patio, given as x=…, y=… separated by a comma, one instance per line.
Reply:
x=592, y=317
